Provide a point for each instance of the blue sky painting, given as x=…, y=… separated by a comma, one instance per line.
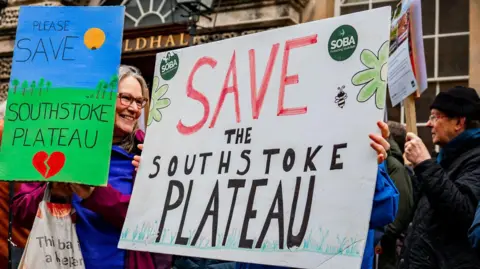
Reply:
x=69, y=46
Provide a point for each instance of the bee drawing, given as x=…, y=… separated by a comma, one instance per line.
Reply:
x=341, y=97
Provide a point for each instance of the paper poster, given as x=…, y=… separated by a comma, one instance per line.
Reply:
x=401, y=79
x=416, y=34
x=62, y=95
x=407, y=71
x=257, y=147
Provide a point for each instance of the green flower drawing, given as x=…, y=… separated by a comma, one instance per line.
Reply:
x=158, y=102
x=373, y=79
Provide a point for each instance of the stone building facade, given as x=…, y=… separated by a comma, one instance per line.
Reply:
x=452, y=46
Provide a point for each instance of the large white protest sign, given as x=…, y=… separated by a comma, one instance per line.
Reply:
x=257, y=147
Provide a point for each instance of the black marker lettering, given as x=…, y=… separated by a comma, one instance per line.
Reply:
x=204, y=156
x=236, y=184
x=288, y=160
x=224, y=164
x=188, y=170
x=214, y=200
x=245, y=155
x=172, y=167
x=296, y=240
x=229, y=134
x=277, y=201
x=184, y=240
x=157, y=165
x=309, y=165
x=168, y=205
x=250, y=213
x=247, y=136
x=334, y=165
x=269, y=153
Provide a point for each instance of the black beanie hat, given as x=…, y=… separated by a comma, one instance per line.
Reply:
x=458, y=102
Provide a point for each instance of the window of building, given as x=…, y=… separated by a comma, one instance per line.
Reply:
x=142, y=13
x=446, y=43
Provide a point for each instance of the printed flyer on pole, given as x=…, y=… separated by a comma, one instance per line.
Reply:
x=407, y=68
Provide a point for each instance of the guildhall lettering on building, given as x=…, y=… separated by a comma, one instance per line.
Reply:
x=155, y=42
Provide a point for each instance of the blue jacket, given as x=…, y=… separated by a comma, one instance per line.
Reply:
x=98, y=238
x=474, y=232
x=384, y=210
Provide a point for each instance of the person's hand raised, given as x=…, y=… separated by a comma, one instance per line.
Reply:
x=83, y=191
x=136, y=158
x=415, y=150
x=379, y=142
x=60, y=190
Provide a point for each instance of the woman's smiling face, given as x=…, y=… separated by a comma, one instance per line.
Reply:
x=129, y=106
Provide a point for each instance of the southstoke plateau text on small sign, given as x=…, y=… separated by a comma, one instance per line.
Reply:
x=61, y=98
x=257, y=147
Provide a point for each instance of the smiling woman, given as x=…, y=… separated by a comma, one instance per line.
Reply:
x=101, y=211
x=132, y=98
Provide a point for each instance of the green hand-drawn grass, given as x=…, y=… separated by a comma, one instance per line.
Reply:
x=82, y=165
x=158, y=103
x=373, y=79
x=314, y=241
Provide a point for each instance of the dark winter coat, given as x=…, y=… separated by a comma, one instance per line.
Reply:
x=399, y=174
x=199, y=263
x=450, y=191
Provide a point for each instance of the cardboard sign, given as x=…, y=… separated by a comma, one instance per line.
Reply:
x=62, y=95
x=257, y=147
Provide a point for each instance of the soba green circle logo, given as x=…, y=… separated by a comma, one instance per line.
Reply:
x=169, y=66
x=342, y=43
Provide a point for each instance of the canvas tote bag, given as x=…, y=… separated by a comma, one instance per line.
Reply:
x=53, y=241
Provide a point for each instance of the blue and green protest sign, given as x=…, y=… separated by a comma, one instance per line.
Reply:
x=61, y=100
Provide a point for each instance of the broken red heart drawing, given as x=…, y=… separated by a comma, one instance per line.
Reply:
x=48, y=166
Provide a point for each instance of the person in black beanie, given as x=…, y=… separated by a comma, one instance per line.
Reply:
x=449, y=185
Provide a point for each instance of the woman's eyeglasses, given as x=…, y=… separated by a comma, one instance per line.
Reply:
x=127, y=99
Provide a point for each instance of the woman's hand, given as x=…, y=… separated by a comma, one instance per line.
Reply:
x=83, y=191
x=379, y=142
x=136, y=158
x=60, y=190
x=415, y=150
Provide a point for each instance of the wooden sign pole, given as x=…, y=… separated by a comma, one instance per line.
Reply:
x=410, y=117
x=410, y=113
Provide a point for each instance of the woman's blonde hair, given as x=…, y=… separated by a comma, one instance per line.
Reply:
x=128, y=142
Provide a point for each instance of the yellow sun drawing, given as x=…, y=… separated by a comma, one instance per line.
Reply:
x=94, y=38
